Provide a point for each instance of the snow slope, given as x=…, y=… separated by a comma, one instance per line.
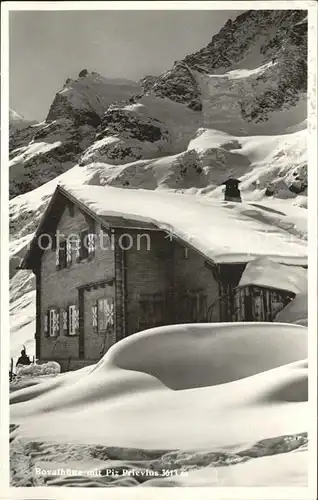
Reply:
x=250, y=80
x=222, y=96
x=71, y=124
x=285, y=469
x=151, y=128
x=209, y=381
x=266, y=164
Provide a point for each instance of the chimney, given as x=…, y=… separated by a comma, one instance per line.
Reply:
x=232, y=192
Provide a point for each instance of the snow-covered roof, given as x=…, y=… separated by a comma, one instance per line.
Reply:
x=224, y=232
x=267, y=273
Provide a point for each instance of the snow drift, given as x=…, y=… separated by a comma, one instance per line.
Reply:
x=204, y=368
x=183, y=395
x=35, y=370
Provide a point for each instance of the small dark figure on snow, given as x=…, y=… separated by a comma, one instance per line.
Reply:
x=23, y=359
x=232, y=192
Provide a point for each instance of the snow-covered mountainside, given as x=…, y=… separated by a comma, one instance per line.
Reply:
x=20, y=130
x=249, y=80
x=235, y=108
x=45, y=150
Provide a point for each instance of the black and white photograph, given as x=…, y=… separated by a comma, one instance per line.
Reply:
x=159, y=273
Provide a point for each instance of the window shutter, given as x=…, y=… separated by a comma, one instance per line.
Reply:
x=94, y=317
x=57, y=258
x=46, y=323
x=76, y=319
x=84, y=242
x=56, y=321
x=76, y=244
x=101, y=322
x=91, y=245
x=54, y=243
x=52, y=322
x=109, y=313
x=73, y=320
x=68, y=253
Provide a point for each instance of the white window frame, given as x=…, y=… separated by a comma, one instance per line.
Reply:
x=72, y=319
x=53, y=322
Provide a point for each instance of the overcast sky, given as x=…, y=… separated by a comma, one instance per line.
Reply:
x=48, y=47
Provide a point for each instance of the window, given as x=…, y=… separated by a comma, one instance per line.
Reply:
x=87, y=245
x=75, y=246
x=63, y=321
x=83, y=245
x=61, y=255
x=73, y=320
x=105, y=314
x=53, y=322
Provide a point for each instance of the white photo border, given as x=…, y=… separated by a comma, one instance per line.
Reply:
x=6, y=491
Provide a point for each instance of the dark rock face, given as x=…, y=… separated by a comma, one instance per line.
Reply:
x=61, y=107
x=236, y=38
x=32, y=170
x=118, y=121
x=42, y=168
x=147, y=82
x=278, y=36
x=179, y=85
x=20, y=138
x=83, y=73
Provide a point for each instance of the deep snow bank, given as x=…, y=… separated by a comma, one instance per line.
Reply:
x=234, y=374
x=285, y=469
x=199, y=355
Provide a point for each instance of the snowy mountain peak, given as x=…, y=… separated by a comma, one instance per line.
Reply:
x=17, y=121
x=86, y=98
x=14, y=116
x=254, y=39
